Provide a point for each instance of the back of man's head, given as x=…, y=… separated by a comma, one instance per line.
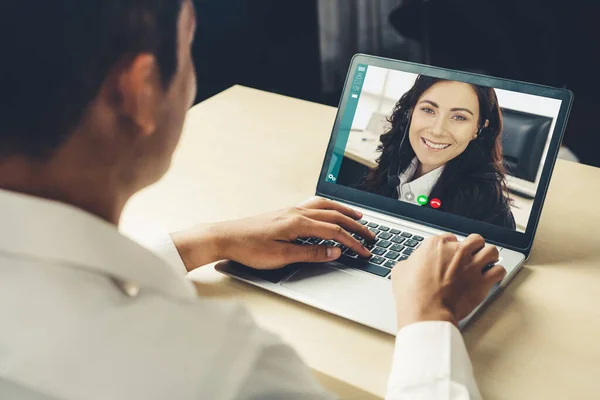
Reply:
x=55, y=55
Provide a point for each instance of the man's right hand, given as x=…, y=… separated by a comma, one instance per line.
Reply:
x=443, y=279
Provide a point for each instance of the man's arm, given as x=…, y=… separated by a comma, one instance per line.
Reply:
x=156, y=238
x=442, y=284
x=431, y=362
x=279, y=373
x=185, y=250
x=438, y=286
x=269, y=241
x=430, y=359
x=200, y=246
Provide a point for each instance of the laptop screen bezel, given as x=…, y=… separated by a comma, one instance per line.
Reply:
x=519, y=241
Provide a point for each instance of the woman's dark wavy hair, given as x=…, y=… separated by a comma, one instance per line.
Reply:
x=472, y=181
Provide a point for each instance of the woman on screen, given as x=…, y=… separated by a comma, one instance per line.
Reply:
x=445, y=142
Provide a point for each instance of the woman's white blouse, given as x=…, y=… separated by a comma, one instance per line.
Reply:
x=410, y=191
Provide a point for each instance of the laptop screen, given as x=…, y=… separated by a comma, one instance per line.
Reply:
x=454, y=147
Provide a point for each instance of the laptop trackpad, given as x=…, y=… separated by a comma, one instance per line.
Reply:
x=349, y=293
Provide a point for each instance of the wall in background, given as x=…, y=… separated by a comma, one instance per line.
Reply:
x=265, y=44
x=302, y=48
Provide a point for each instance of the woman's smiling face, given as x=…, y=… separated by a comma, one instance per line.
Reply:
x=444, y=121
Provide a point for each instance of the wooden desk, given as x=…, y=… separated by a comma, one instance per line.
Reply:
x=245, y=151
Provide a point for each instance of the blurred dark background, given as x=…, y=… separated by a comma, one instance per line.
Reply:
x=302, y=48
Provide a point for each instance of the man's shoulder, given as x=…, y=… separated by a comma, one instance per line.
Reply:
x=78, y=298
x=80, y=331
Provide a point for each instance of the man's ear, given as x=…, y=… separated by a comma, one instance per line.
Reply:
x=140, y=92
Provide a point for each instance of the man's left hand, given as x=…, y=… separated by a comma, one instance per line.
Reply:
x=269, y=241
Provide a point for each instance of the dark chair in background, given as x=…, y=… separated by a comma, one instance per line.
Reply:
x=524, y=139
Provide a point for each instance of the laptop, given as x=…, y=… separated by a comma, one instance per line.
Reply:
x=427, y=111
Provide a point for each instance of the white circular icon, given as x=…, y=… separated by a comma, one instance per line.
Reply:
x=331, y=177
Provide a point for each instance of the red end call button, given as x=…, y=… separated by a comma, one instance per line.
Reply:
x=435, y=203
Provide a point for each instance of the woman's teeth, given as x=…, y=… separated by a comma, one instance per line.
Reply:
x=434, y=145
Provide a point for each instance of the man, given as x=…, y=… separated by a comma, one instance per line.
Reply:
x=93, y=96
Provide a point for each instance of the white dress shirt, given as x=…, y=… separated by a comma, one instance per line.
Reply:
x=409, y=191
x=89, y=314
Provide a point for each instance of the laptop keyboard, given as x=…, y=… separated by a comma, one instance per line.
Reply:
x=390, y=247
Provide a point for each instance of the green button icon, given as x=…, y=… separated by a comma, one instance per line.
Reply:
x=422, y=199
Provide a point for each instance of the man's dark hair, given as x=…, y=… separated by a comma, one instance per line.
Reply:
x=55, y=54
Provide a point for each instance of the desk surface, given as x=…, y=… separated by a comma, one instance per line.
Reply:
x=245, y=152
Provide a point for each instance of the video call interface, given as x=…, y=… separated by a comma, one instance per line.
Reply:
x=451, y=146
